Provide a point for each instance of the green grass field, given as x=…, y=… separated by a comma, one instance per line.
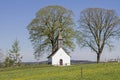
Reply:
x=108, y=71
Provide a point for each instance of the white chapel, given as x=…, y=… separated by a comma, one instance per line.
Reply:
x=59, y=57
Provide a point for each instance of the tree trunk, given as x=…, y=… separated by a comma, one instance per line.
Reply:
x=54, y=47
x=98, y=57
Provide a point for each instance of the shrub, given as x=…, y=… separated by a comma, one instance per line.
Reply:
x=8, y=62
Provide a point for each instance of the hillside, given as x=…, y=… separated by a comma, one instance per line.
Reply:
x=103, y=71
x=72, y=62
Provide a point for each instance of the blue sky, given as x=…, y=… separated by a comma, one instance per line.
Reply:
x=15, y=15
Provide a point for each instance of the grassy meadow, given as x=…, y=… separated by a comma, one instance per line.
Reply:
x=102, y=71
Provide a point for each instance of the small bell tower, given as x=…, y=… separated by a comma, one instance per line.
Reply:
x=60, y=39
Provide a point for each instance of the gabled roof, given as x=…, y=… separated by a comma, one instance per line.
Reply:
x=52, y=53
x=56, y=52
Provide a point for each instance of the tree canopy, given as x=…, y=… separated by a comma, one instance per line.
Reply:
x=44, y=29
x=98, y=27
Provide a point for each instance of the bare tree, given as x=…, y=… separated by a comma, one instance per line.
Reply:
x=98, y=27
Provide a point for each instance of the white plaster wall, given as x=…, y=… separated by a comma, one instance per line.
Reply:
x=60, y=54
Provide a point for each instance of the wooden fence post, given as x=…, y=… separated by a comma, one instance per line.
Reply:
x=81, y=72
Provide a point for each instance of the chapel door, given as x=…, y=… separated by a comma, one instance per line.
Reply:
x=61, y=62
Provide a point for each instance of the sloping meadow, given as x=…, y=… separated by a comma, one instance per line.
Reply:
x=102, y=71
